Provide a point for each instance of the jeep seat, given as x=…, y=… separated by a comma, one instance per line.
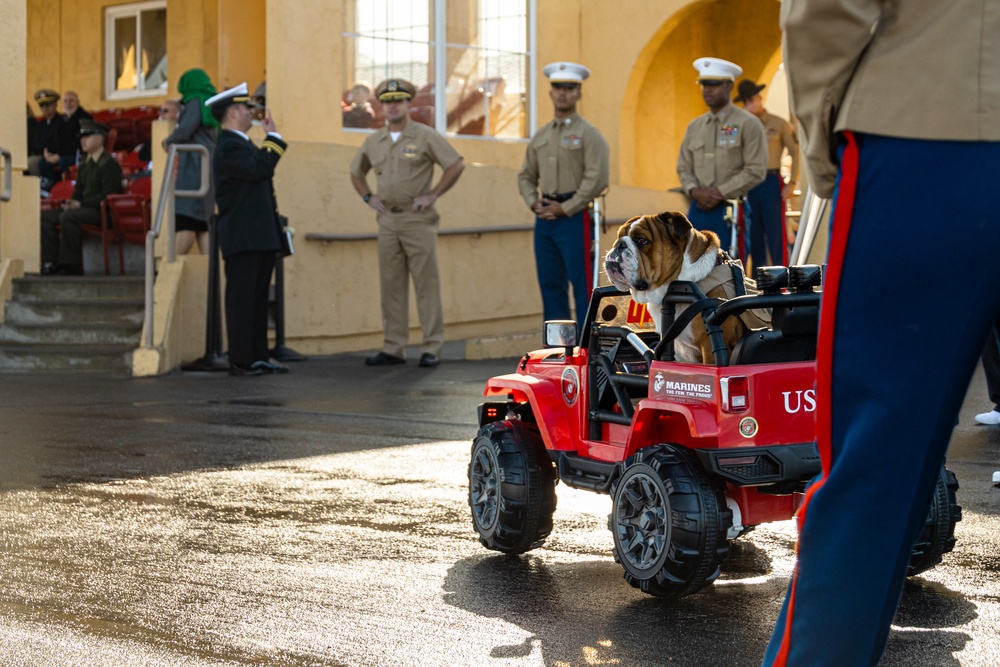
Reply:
x=793, y=338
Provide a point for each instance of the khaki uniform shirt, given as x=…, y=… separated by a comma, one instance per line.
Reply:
x=728, y=150
x=875, y=72
x=565, y=156
x=404, y=169
x=780, y=135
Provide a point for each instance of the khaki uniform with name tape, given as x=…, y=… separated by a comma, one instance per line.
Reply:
x=404, y=170
x=565, y=156
x=728, y=150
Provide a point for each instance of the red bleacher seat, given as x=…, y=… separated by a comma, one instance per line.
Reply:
x=125, y=127
x=141, y=186
x=144, y=111
x=124, y=218
x=62, y=189
x=144, y=130
x=104, y=115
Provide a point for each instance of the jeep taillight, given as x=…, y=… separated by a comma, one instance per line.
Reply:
x=735, y=393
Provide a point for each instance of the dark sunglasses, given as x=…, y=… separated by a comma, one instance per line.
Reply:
x=711, y=83
x=565, y=86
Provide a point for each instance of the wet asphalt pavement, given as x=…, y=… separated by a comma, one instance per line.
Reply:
x=320, y=518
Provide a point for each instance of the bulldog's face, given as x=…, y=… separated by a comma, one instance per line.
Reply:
x=653, y=250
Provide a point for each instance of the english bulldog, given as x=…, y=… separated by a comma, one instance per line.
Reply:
x=654, y=250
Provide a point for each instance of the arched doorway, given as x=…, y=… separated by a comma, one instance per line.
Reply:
x=661, y=95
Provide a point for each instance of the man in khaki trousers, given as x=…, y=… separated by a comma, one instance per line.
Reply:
x=403, y=154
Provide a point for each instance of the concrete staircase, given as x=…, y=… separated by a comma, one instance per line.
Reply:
x=72, y=323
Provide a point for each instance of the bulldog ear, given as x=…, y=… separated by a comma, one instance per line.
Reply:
x=627, y=225
x=676, y=223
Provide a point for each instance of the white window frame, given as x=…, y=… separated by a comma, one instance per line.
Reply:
x=110, y=15
x=440, y=46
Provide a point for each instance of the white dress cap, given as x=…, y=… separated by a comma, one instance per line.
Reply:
x=563, y=72
x=717, y=69
x=239, y=93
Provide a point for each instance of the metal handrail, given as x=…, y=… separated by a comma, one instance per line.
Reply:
x=459, y=231
x=8, y=181
x=168, y=190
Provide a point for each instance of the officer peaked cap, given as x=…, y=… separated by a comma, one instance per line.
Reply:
x=391, y=90
x=717, y=69
x=564, y=72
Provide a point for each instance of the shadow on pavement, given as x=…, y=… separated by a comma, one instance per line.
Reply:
x=92, y=427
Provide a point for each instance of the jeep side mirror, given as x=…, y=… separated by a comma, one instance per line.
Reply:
x=559, y=333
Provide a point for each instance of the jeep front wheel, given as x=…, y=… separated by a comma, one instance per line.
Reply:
x=669, y=524
x=511, y=487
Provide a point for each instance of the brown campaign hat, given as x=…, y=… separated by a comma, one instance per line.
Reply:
x=395, y=89
x=748, y=89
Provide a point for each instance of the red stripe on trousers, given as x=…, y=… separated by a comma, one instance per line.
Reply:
x=842, y=216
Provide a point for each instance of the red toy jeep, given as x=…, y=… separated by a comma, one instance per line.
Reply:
x=693, y=455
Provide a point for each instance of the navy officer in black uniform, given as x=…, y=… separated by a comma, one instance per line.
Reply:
x=248, y=227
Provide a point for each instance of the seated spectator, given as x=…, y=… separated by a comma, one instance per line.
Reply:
x=44, y=146
x=359, y=112
x=98, y=176
x=73, y=113
x=170, y=109
x=33, y=151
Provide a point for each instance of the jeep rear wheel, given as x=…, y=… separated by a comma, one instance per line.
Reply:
x=511, y=487
x=938, y=534
x=669, y=524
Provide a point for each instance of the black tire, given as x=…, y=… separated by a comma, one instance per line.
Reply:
x=938, y=534
x=669, y=523
x=511, y=487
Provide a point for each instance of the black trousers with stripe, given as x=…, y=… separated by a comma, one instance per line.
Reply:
x=248, y=278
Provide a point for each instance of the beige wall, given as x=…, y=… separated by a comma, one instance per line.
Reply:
x=19, y=216
x=242, y=45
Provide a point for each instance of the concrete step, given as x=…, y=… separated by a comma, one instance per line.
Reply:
x=76, y=311
x=93, y=333
x=66, y=288
x=63, y=357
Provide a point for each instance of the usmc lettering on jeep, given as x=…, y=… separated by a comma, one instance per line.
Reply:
x=800, y=400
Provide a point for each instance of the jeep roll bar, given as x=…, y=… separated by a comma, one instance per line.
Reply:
x=738, y=304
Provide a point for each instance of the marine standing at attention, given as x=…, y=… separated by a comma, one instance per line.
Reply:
x=724, y=151
x=565, y=168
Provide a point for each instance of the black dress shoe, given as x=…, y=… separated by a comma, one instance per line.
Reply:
x=269, y=367
x=428, y=360
x=383, y=359
x=244, y=369
x=49, y=269
x=66, y=270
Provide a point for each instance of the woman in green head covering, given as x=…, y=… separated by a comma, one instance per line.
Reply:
x=195, y=125
x=195, y=85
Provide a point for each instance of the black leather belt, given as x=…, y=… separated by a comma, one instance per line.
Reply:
x=774, y=171
x=559, y=198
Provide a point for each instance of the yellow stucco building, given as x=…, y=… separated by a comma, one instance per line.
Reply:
x=488, y=54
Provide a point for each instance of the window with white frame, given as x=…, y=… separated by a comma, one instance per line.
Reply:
x=482, y=51
x=135, y=50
